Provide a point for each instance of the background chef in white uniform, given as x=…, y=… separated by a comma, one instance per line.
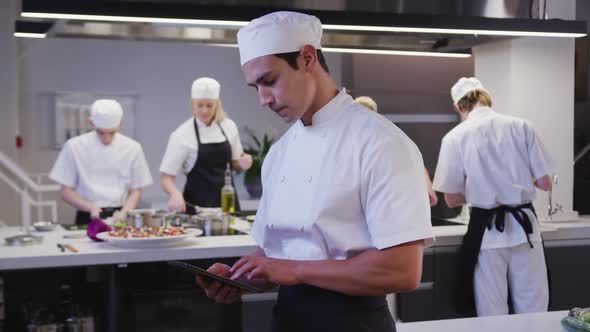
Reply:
x=344, y=214
x=102, y=173
x=202, y=147
x=494, y=162
x=371, y=104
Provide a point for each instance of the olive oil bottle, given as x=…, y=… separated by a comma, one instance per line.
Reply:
x=228, y=194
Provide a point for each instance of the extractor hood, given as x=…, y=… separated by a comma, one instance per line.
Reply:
x=345, y=30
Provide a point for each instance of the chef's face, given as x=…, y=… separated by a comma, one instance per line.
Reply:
x=286, y=91
x=106, y=135
x=204, y=109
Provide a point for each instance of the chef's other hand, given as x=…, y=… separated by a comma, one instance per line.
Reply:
x=95, y=211
x=176, y=202
x=273, y=270
x=245, y=161
x=215, y=290
x=119, y=216
x=432, y=197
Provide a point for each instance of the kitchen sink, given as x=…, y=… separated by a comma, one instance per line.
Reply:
x=436, y=221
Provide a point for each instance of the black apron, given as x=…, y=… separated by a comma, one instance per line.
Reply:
x=83, y=217
x=311, y=309
x=205, y=180
x=479, y=220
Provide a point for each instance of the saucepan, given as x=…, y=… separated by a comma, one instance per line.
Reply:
x=155, y=218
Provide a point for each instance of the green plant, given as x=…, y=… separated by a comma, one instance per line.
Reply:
x=258, y=151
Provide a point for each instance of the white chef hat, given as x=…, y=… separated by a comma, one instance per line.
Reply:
x=463, y=86
x=205, y=88
x=106, y=113
x=278, y=32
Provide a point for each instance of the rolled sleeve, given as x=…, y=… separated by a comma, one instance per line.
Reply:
x=449, y=176
x=234, y=140
x=540, y=159
x=394, y=194
x=175, y=155
x=64, y=170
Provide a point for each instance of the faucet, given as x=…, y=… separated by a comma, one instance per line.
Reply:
x=553, y=208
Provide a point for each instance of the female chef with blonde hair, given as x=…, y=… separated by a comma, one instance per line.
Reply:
x=202, y=147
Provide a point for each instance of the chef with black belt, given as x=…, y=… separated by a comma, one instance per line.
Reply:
x=344, y=214
x=202, y=147
x=493, y=162
x=102, y=173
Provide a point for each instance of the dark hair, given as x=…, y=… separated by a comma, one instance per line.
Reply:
x=291, y=58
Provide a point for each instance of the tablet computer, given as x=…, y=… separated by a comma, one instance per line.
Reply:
x=236, y=283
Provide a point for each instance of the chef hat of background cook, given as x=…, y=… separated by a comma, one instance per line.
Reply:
x=278, y=32
x=106, y=113
x=463, y=86
x=205, y=88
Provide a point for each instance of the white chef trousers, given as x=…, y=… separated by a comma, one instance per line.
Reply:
x=520, y=267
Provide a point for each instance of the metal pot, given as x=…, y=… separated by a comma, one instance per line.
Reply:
x=146, y=217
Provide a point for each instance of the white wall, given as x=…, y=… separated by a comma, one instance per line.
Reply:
x=160, y=73
x=533, y=78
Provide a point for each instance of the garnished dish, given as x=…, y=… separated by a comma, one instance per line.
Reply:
x=149, y=237
x=147, y=232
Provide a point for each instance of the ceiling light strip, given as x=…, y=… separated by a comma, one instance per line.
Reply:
x=452, y=31
x=381, y=52
x=392, y=52
x=135, y=19
x=29, y=35
x=237, y=24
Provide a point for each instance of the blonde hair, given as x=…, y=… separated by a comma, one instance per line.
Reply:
x=367, y=102
x=219, y=112
x=472, y=98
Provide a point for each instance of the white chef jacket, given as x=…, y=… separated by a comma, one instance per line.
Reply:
x=494, y=159
x=102, y=174
x=183, y=148
x=350, y=182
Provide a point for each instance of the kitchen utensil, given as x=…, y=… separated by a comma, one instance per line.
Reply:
x=71, y=248
x=197, y=208
x=44, y=226
x=67, y=246
x=23, y=239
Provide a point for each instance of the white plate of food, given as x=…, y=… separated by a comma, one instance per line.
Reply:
x=148, y=237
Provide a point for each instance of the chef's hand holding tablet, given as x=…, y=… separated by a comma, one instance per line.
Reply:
x=217, y=291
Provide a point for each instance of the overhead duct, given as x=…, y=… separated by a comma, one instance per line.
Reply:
x=345, y=30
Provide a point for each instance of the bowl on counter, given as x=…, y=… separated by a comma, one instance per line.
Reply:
x=44, y=226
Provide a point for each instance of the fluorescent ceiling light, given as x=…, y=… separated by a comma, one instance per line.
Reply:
x=392, y=52
x=382, y=52
x=29, y=35
x=452, y=31
x=137, y=19
x=238, y=24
